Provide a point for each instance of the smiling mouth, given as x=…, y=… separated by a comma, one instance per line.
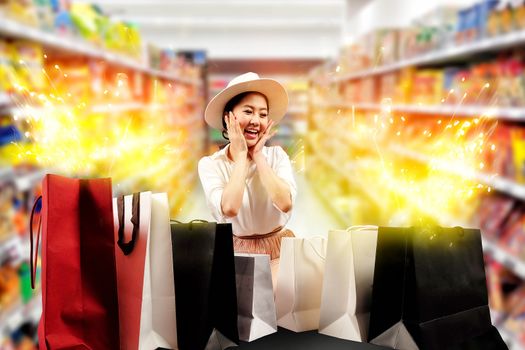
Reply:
x=251, y=134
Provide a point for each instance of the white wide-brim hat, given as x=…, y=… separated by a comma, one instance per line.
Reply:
x=272, y=89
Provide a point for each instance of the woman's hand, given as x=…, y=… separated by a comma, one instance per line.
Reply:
x=267, y=134
x=238, y=146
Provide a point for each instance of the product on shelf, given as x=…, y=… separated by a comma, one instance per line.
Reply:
x=499, y=158
x=28, y=58
x=7, y=212
x=494, y=272
x=519, y=15
x=9, y=286
x=515, y=323
x=7, y=68
x=492, y=214
x=21, y=64
x=518, y=152
x=513, y=238
x=20, y=10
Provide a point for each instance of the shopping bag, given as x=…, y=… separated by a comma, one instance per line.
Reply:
x=78, y=278
x=299, y=283
x=132, y=215
x=255, y=302
x=159, y=322
x=430, y=290
x=204, y=275
x=347, y=284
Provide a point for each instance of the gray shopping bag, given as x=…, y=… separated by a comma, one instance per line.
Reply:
x=255, y=303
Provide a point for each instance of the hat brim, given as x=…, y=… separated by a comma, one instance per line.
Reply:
x=272, y=89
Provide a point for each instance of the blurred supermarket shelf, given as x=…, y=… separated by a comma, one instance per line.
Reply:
x=128, y=184
x=504, y=257
x=118, y=108
x=26, y=111
x=297, y=110
x=197, y=119
x=6, y=174
x=444, y=55
x=18, y=313
x=25, y=182
x=494, y=181
x=346, y=173
x=499, y=254
x=13, y=28
x=5, y=99
x=11, y=243
x=328, y=201
x=516, y=114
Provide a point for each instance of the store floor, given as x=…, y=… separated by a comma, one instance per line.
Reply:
x=309, y=218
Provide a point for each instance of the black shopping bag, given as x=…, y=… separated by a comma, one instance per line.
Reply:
x=205, y=289
x=430, y=291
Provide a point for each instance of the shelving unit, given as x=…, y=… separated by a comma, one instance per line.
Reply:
x=515, y=114
x=496, y=182
x=343, y=97
x=442, y=56
x=13, y=317
x=181, y=115
x=13, y=28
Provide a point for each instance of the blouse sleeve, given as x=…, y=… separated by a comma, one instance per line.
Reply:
x=284, y=171
x=213, y=186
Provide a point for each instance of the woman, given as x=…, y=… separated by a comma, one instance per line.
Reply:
x=246, y=183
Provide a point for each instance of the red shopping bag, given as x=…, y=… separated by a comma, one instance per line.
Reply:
x=132, y=226
x=78, y=279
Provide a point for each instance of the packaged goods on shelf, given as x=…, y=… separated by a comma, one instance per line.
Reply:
x=386, y=48
x=495, y=288
x=473, y=20
x=20, y=10
x=518, y=12
x=9, y=286
x=498, y=82
x=389, y=84
x=427, y=86
x=518, y=152
x=353, y=58
x=505, y=17
x=515, y=322
x=21, y=64
x=513, y=238
x=77, y=19
x=436, y=31
x=98, y=29
x=492, y=214
x=7, y=212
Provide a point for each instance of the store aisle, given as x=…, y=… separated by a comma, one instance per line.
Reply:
x=310, y=216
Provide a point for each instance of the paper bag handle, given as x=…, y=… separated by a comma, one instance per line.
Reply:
x=127, y=247
x=323, y=257
x=361, y=228
x=191, y=222
x=34, y=249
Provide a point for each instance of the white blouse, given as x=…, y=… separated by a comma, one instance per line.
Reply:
x=258, y=214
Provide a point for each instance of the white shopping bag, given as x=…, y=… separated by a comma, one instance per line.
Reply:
x=299, y=283
x=347, y=285
x=255, y=302
x=158, y=325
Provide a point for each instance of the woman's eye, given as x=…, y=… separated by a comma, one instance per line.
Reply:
x=248, y=112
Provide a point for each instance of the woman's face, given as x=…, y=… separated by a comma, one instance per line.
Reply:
x=252, y=114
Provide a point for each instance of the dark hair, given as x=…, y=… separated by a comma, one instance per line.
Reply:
x=230, y=105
